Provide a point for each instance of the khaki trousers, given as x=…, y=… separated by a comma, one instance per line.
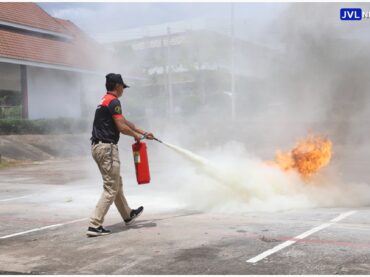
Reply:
x=107, y=158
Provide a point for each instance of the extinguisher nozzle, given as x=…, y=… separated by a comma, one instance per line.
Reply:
x=158, y=140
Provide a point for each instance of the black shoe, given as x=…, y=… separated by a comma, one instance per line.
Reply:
x=95, y=232
x=134, y=214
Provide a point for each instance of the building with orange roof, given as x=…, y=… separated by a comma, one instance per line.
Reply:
x=45, y=63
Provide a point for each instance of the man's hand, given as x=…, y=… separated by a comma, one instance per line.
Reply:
x=138, y=137
x=149, y=136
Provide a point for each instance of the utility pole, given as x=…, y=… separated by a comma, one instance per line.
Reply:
x=232, y=69
x=169, y=73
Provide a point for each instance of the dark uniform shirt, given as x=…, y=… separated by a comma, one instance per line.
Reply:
x=104, y=128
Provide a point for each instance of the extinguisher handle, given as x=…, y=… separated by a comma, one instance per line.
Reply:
x=142, y=137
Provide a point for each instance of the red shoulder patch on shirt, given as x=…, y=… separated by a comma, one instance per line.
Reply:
x=107, y=99
x=117, y=116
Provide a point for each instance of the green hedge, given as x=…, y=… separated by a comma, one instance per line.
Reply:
x=44, y=126
x=11, y=112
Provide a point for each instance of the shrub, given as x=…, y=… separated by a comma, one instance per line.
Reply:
x=44, y=126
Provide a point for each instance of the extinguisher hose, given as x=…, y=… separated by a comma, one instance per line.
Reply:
x=158, y=140
x=144, y=137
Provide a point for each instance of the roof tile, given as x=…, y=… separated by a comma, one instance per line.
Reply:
x=29, y=14
x=79, y=52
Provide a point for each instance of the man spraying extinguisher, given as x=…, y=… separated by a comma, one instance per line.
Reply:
x=108, y=124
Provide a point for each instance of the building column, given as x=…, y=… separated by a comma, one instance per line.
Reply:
x=24, y=89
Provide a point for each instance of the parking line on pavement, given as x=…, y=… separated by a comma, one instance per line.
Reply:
x=42, y=228
x=15, y=198
x=299, y=237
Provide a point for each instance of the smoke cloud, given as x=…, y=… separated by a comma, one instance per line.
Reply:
x=303, y=72
x=314, y=81
x=235, y=181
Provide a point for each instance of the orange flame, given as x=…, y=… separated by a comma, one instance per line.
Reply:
x=307, y=157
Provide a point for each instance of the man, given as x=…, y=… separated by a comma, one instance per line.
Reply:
x=108, y=124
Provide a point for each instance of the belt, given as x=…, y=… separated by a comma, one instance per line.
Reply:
x=97, y=141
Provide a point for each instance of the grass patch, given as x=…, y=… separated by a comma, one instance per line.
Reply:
x=10, y=163
x=44, y=126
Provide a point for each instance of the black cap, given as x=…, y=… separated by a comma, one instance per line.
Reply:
x=115, y=78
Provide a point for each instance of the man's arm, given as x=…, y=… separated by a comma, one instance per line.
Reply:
x=148, y=135
x=123, y=125
x=133, y=127
x=125, y=129
x=120, y=122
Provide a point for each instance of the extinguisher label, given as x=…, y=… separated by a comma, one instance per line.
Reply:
x=137, y=157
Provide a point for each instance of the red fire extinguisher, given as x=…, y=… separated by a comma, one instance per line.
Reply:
x=141, y=163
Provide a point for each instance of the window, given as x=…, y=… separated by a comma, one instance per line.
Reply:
x=10, y=91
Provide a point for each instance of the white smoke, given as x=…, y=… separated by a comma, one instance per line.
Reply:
x=316, y=81
x=234, y=181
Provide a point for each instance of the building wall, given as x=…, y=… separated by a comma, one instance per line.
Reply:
x=92, y=91
x=53, y=93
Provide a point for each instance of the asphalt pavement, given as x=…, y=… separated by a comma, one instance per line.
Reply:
x=44, y=210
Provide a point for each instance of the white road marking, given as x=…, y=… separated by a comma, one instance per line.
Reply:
x=42, y=228
x=343, y=216
x=299, y=237
x=15, y=198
